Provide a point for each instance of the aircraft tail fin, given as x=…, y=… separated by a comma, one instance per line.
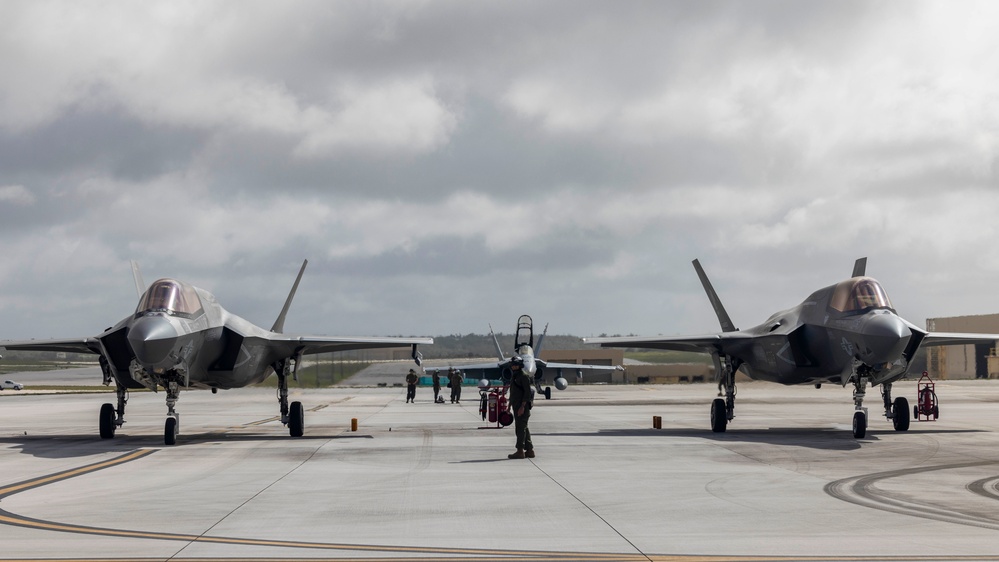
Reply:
x=140, y=285
x=860, y=268
x=279, y=323
x=499, y=350
x=723, y=319
x=541, y=340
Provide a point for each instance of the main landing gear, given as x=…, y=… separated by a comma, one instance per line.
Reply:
x=292, y=415
x=112, y=418
x=723, y=409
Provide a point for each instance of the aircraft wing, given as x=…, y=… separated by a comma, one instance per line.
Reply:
x=308, y=345
x=495, y=365
x=955, y=338
x=724, y=342
x=574, y=367
x=949, y=338
x=73, y=345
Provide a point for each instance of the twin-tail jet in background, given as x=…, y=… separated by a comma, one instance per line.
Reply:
x=523, y=347
x=846, y=333
x=180, y=338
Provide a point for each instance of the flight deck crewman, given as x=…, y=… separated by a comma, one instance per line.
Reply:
x=521, y=400
x=411, y=380
x=437, y=384
x=456, y=378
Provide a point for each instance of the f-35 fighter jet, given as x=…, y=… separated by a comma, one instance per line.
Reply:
x=846, y=333
x=181, y=338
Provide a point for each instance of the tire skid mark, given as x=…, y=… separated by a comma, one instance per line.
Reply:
x=862, y=490
x=988, y=487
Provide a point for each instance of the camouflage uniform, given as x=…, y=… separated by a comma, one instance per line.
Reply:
x=456, y=379
x=522, y=394
x=437, y=385
x=411, y=380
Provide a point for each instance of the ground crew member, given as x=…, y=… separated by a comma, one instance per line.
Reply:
x=521, y=400
x=411, y=380
x=456, y=378
x=437, y=384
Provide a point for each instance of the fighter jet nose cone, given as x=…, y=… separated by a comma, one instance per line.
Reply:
x=884, y=337
x=152, y=338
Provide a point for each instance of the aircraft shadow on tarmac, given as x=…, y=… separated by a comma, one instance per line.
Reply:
x=72, y=446
x=832, y=439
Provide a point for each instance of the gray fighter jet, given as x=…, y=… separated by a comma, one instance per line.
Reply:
x=181, y=338
x=846, y=333
x=523, y=347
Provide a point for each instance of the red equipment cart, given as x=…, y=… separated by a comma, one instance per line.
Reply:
x=494, y=406
x=926, y=408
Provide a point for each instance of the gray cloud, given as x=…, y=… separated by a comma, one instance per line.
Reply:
x=444, y=165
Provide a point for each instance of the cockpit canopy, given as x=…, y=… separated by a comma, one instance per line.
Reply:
x=858, y=294
x=171, y=296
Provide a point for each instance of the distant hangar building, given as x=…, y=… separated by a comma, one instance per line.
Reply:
x=963, y=361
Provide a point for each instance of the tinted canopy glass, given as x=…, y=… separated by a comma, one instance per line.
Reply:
x=859, y=293
x=172, y=297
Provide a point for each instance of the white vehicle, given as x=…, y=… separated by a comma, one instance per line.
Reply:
x=11, y=384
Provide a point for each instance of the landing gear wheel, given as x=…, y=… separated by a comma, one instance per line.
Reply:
x=718, y=416
x=107, y=421
x=900, y=414
x=296, y=420
x=859, y=424
x=170, y=431
x=548, y=393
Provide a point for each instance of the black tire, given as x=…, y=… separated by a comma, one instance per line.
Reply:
x=170, y=431
x=296, y=420
x=859, y=424
x=900, y=414
x=548, y=393
x=915, y=412
x=936, y=412
x=719, y=417
x=107, y=421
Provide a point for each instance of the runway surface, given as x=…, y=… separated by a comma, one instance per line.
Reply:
x=423, y=482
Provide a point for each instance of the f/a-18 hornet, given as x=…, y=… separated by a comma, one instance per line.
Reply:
x=523, y=347
x=181, y=338
x=846, y=333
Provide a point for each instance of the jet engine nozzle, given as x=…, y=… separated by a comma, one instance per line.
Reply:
x=152, y=338
x=882, y=338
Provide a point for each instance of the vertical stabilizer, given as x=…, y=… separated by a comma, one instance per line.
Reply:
x=279, y=323
x=541, y=340
x=726, y=322
x=140, y=285
x=860, y=267
x=499, y=350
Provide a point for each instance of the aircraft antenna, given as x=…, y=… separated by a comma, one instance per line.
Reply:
x=279, y=323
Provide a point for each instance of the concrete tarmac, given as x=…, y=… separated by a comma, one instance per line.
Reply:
x=422, y=481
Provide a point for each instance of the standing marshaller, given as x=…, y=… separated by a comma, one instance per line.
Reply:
x=521, y=400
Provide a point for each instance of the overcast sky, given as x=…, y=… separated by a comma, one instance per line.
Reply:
x=445, y=165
